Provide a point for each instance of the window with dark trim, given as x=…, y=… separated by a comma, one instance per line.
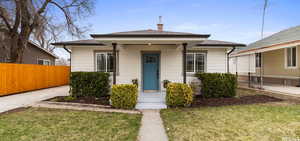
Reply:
x=43, y=62
x=258, y=60
x=291, y=57
x=104, y=61
x=195, y=62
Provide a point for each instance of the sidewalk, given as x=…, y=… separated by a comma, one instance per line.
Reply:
x=27, y=98
x=152, y=128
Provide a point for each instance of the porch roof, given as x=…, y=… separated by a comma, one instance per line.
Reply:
x=283, y=39
x=220, y=43
x=89, y=42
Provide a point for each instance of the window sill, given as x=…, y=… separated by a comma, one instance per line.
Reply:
x=190, y=74
x=291, y=67
x=110, y=73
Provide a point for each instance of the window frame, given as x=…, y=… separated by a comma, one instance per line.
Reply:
x=44, y=60
x=286, y=58
x=106, y=60
x=194, y=59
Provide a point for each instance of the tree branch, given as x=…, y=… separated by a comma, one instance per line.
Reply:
x=17, y=16
x=39, y=12
x=67, y=15
x=3, y=16
x=42, y=9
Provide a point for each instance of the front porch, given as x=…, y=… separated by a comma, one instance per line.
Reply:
x=154, y=100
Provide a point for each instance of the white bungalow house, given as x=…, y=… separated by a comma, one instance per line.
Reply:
x=150, y=56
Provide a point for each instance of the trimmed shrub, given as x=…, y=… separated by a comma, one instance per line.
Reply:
x=124, y=96
x=215, y=85
x=89, y=84
x=179, y=94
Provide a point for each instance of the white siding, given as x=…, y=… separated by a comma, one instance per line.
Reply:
x=216, y=60
x=130, y=65
x=242, y=64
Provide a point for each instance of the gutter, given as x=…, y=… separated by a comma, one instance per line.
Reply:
x=67, y=50
x=64, y=47
x=233, y=48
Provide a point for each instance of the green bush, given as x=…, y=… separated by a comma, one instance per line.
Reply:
x=124, y=96
x=215, y=85
x=89, y=84
x=179, y=94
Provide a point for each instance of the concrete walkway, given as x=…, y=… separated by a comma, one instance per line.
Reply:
x=283, y=89
x=152, y=128
x=28, y=98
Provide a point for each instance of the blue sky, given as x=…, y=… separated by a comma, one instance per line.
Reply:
x=229, y=20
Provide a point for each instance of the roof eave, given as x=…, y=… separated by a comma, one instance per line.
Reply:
x=151, y=36
x=44, y=50
x=77, y=44
x=225, y=45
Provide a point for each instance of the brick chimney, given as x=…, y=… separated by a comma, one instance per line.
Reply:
x=160, y=26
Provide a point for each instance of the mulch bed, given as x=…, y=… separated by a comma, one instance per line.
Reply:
x=254, y=99
x=84, y=100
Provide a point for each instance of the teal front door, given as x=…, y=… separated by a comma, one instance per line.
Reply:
x=150, y=71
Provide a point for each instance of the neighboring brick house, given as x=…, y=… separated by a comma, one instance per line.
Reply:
x=33, y=54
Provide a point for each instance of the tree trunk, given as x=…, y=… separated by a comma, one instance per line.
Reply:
x=18, y=46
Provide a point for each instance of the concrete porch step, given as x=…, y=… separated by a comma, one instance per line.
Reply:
x=153, y=105
x=151, y=99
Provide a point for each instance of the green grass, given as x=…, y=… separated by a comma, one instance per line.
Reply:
x=230, y=123
x=41, y=124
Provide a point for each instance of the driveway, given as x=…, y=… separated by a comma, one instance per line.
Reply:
x=28, y=98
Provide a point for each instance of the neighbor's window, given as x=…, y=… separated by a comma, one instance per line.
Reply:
x=258, y=60
x=291, y=57
x=104, y=62
x=195, y=62
x=43, y=62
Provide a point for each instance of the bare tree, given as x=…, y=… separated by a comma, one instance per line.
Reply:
x=41, y=19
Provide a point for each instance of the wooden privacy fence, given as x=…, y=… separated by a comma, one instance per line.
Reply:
x=16, y=78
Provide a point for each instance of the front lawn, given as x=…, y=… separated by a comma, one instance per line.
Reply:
x=212, y=121
x=42, y=124
x=228, y=123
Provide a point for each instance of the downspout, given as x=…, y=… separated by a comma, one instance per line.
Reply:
x=114, y=62
x=70, y=62
x=67, y=50
x=228, y=54
x=184, y=62
x=70, y=55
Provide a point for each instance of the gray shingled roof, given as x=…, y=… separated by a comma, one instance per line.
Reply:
x=219, y=43
x=288, y=35
x=151, y=33
x=96, y=42
x=80, y=42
